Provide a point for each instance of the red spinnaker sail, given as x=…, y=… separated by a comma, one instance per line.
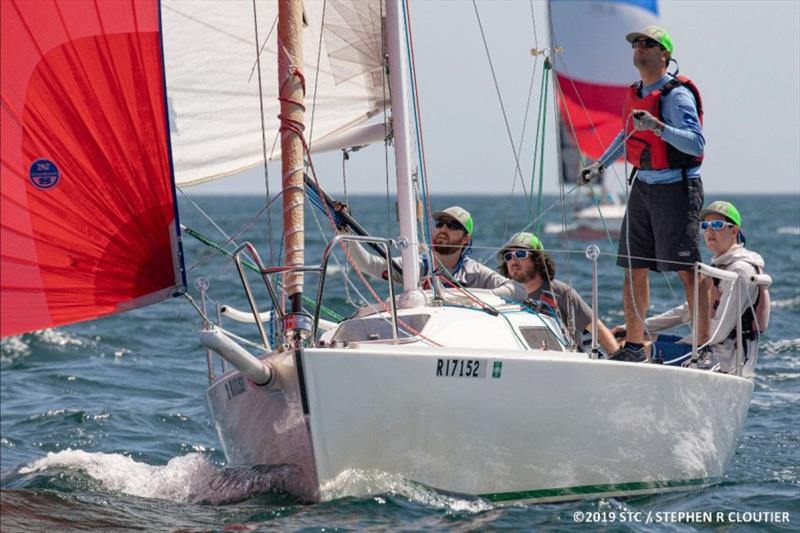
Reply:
x=88, y=219
x=594, y=69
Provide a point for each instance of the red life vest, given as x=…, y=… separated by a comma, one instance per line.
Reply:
x=646, y=150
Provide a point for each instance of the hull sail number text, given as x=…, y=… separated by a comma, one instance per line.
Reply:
x=461, y=368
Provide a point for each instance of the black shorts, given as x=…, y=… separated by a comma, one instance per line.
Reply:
x=664, y=222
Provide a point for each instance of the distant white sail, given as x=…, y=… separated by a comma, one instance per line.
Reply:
x=212, y=79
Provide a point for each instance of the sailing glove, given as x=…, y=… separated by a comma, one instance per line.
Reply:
x=644, y=121
x=593, y=171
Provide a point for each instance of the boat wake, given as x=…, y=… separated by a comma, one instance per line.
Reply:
x=190, y=478
x=789, y=230
x=360, y=483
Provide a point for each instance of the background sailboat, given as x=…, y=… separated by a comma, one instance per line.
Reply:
x=339, y=439
x=594, y=69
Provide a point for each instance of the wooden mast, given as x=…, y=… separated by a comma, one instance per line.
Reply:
x=291, y=94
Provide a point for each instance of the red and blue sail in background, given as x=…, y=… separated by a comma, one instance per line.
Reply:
x=594, y=70
x=88, y=223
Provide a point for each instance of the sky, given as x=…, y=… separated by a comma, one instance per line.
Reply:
x=743, y=54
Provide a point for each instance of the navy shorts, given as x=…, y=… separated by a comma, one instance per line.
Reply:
x=668, y=348
x=663, y=221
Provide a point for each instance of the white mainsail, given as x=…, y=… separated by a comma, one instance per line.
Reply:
x=212, y=79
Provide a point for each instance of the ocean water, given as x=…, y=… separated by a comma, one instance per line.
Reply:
x=103, y=426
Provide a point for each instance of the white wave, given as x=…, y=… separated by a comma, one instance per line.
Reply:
x=58, y=337
x=355, y=482
x=190, y=478
x=780, y=346
x=13, y=348
x=789, y=230
x=788, y=302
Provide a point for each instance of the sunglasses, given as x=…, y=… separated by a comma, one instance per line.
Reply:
x=451, y=224
x=645, y=43
x=716, y=225
x=519, y=254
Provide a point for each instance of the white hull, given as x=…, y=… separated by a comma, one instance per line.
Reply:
x=552, y=426
x=592, y=223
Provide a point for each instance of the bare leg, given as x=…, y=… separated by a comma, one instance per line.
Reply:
x=636, y=303
x=687, y=278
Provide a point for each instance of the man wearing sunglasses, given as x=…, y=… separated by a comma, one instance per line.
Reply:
x=524, y=260
x=662, y=139
x=452, y=244
x=721, y=227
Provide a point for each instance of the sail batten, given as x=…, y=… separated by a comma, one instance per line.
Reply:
x=213, y=91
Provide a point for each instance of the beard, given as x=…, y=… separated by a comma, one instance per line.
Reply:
x=445, y=248
x=524, y=275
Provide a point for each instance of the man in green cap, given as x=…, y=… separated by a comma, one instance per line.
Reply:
x=452, y=244
x=662, y=139
x=524, y=260
x=722, y=231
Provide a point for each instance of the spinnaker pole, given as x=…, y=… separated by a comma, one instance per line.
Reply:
x=398, y=83
x=291, y=94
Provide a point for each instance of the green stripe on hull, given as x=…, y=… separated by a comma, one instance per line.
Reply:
x=594, y=489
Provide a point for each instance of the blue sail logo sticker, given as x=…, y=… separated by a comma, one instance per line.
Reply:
x=44, y=174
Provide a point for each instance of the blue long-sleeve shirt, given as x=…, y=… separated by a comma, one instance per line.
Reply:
x=682, y=130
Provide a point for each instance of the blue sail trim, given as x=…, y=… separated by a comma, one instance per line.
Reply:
x=647, y=5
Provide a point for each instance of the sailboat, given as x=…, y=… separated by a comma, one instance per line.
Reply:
x=106, y=108
x=593, y=70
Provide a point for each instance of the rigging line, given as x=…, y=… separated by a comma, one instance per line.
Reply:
x=386, y=129
x=580, y=99
x=562, y=196
x=541, y=147
x=571, y=124
x=499, y=96
x=344, y=267
x=208, y=242
x=532, y=222
x=481, y=304
x=423, y=173
x=539, y=127
x=316, y=76
x=263, y=130
x=525, y=116
x=522, y=138
x=229, y=239
x=626, y=221
x=291, y=126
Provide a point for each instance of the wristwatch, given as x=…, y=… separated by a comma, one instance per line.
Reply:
x=658, y=130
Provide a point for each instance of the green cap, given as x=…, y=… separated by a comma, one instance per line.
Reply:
x=659, y=35
x=521, y=240
x=459, y=214
x=726, y=209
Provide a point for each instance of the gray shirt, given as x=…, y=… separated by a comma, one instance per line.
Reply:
x=472, y=274
x=573, y=311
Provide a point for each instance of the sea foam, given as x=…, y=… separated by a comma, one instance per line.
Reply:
x=190, y=478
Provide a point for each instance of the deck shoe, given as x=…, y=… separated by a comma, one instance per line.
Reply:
x=629, y=354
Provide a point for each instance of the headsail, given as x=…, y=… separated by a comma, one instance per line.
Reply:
x=212, y=78
x=88, y=219
x=594, y=70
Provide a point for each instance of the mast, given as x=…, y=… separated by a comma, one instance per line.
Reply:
x=398, y=80
x=291, y=94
